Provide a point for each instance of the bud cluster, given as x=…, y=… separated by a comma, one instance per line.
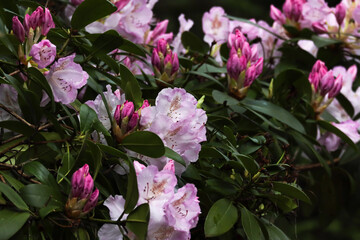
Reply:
x=82, y=198
x=291, y=12
x=158, y=33
x=323, y=84
x=126, y=119
x=165, y=62
x=39, y=21
x=243, y=66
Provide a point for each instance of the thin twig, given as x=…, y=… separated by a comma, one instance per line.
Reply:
x=315, y=165
x=14, y=114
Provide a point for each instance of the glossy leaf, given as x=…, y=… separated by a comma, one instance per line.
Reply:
x=13, y=197
x=11, y=222
x=194, y=43
x=221, y=218
x=145, y=143
x=251, y=225
x=138, y=220
x=132, y=193
x=36, y=195
x=291, y=191
x=131, y=86
x=174, y=156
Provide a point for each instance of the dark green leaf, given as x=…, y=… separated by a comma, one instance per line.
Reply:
x=221, y=218
x=138, y=220
x=12, y=181
x=146, y=143
x=87, y=118
x=131, y=86
x=131, y=47
x=106, y=42
x=18, y=127
x=222, y=97
x=274, y=232
x=132, y=193
x=11, y=222
x=36, y=195
x=13, y=197
x=291, y=191
x=250, y=225
x=323, y=42
x=82, y=16
x=40, y=79
x=274, y=111
x=174, y=156
x=67, y=164
x=194, y=43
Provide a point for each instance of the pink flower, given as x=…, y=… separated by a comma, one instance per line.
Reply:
x=159, y=32
x=215, y=25
x=43, y=53
x=276, y=14
x=178, y=122
x=185, y=25
x=65, y=77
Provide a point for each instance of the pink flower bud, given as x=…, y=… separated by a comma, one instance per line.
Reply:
x=319, y=28
x=254, y=53
x=18, y=29
x=340, y=13
x=120, y=4
x=88, y=187
x=259, y=66
x=160, y=29
x=352, y=71
x=292, y=9
x=133, y=122
x=318, y=66
x=276, y=14
x=43, y=53
x=236, y=40
x=250, y=76
x=170, y=166
x=162, y=46
x=175, y=63
x=127, y=109
x=77, y=180
x=337, y=87
x=246, y=51
x=145, y=104
x=27, y=23
x=235, y=66
x=47, y=22
x=36, y=18
x=155, y=60
x=127, y=62
x=326, y=83
x=91, y=203
x=117, y=115
x=314, y=79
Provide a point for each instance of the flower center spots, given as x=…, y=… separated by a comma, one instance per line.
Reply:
x=163, y=233
x=216, y=23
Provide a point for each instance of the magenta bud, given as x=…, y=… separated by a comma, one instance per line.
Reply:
x=88, y=187
x=259, y=66
x=175, y=63
x=36, y=18
x=27, y=23
x=133, y=122
x=337, y=87
x=319, y=65
x=117, y=115
x=170, y=166
x=127, y=62
x=314, y=79
x=160, y=29
x=121, y=4
x=239, y=40
x=155, y=60
x=18, y=29
x=254, y=53
x=162, y=46
x=246, y=51
x=250, y=76
x=138, y=167
x=145, y=104
x=340, y=13
x=127, y=109
x=91, y=203
x=319, y=28
x=47, y=23
x=276, y=14
x=168, y=61
x=234, y=66
x=77, y=180
x=292, y=9
x=326, y=83
x=77, y=2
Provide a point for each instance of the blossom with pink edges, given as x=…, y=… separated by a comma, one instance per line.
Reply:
x=43, y=53
x=215, y=25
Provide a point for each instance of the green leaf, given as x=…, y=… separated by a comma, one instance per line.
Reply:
x=222, y=187
x=36, y=195
x=323, y=42
x=106, y=42
x=138, y=220
x=87, y=118
x=194, y=43
x=207, y=76
x=346, y=104
x=13, y=197
x=11, y=222
x=131, y=86
x=132, y=193
x=67, y=164
x=146, y=143
x=174, y=156
x=274, y=111
x=12, y=181
x=222, y=97
x=221, y=218
x=291, y=191
x=251, y=225
x=85, y=14
x=131, y=47
x=274, y=232
x=113, y=151
x=40, y=79
x=331, y=128
x=18, y=127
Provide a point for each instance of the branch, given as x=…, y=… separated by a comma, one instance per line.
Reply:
x=14, y=114
x=315, y=165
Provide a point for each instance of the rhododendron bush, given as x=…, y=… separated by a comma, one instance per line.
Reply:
x=113, y=127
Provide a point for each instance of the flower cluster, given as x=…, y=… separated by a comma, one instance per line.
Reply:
x=176, y=119
x=126, y=119
x=243, y=66
x=82, y=198
x=324, y=85
x=172, y=213
x=165, y=62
